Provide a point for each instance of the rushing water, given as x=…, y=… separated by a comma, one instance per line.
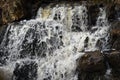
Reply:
x=53, y=41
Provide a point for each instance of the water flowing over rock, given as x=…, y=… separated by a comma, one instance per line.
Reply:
x=16, y=10
x=55, y=40
x=60, y=40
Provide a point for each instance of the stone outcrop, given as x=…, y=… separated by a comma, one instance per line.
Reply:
x=92, y=62
x=91, y=66
x=115, y=35
x=15, y=10
x=114, y=59
x=94, y=65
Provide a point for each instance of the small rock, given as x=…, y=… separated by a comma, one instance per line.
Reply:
x=91, y=66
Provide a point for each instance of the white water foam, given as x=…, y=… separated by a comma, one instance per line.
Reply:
x=67, y=44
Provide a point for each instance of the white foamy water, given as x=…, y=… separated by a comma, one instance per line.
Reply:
x=54, y=40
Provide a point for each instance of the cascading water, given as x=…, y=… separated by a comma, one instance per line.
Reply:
x=54, y=41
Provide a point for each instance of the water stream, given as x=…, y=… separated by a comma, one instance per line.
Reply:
x=53, y=41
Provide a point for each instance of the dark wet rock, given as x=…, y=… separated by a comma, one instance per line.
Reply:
x=114, y=59
x=91, y=66
x=115, y=35
x=92, y=76
x=0, y=16
x=25, y=70
x=94, y=66
x=93, y=12
x=111, y=13
x=86, y=42
x=115, y=26
x=13, y=10
x=91, y=62
x=115, y=74
x=99, y=44
x=117, y=8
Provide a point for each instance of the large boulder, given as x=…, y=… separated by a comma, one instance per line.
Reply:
x=91, y=66
x=113, y=58
x=91, y=62
x=13, y=10
x=95, y=66
x=0, y=16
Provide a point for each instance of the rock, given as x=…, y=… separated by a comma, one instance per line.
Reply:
x=14, y=10
x=113, y=59
x=92, y=76
x=91, y=62
x=91, y=66
x=115, y=35
x=0, y=16
x=25, y=70
x=11, y=10
x=93, y=11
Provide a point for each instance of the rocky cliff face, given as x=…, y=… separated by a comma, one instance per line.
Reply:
x=14, y=10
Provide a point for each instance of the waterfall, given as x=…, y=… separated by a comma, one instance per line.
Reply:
x=54, y=41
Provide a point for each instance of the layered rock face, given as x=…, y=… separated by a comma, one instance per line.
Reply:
x=14, y=10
